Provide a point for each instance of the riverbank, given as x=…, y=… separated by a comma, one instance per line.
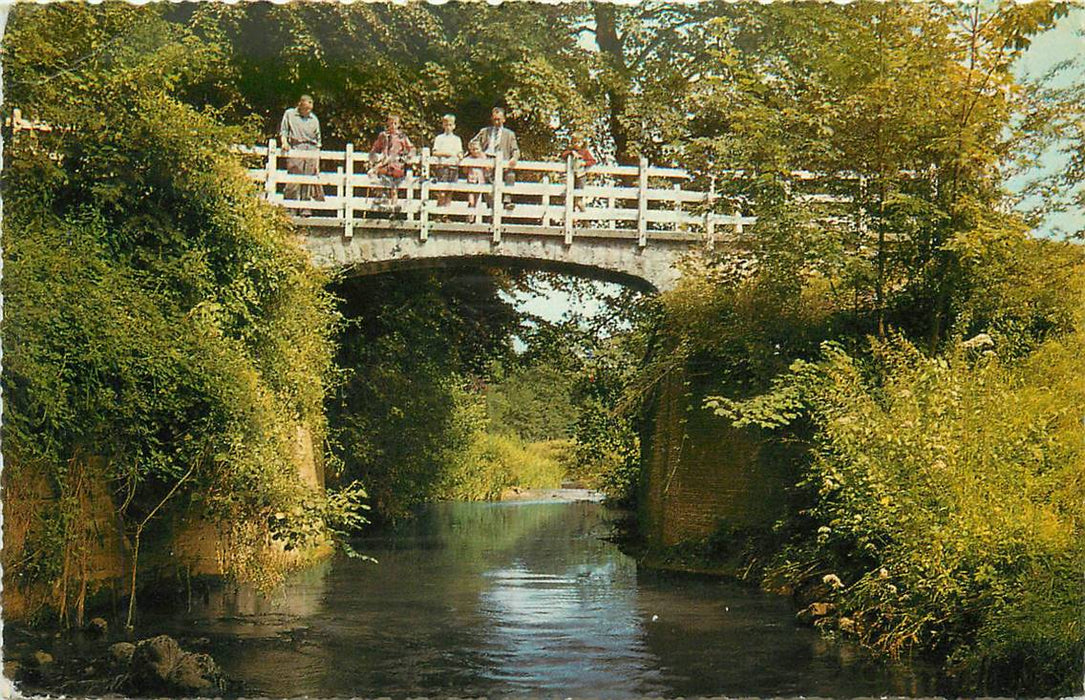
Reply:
x=810, y=597
x=820, y=599
x=94, y=662
x=562, y=495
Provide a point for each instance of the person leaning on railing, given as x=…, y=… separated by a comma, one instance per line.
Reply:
x=448, y=150
x=497, y=139
x=476, y=175
x=582, y=160
x=300, y=132
x=388, y=157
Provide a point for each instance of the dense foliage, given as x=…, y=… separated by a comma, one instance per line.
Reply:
x=941, y=491
x=416, y=351
x=607, y=448
x=946, y=495
x=421, y=60
x=157, y=315
x=533, y=402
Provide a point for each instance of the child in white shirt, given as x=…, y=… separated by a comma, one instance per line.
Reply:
x=448, y=149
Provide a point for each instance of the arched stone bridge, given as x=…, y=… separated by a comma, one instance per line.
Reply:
x=629, y=224
x=626, y=224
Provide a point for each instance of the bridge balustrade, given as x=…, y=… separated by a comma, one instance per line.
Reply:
x=640, y=203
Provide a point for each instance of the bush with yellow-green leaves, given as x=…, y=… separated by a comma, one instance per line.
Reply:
x=947, y=496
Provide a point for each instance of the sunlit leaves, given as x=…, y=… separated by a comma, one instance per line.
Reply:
x=959, y=470
x=158, y=315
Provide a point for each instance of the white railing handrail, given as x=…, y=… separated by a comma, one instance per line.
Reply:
x=521, y=164
x=598, y=168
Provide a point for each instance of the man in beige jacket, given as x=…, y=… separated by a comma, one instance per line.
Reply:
x=497, y=139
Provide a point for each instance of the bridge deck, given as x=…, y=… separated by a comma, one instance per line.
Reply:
x=641, y=203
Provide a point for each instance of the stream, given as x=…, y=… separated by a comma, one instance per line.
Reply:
x=520, y=597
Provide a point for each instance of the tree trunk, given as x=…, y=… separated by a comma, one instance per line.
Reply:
x=610, y=46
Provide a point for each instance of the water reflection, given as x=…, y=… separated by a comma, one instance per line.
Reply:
x=520, y=598
x=563, y=613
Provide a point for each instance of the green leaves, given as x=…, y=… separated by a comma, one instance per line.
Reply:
x=362, y=61
x=532, y=403
x=417, y=348
x=314, y=516
x=786, y=401
x=940, y=470
x=158, y=315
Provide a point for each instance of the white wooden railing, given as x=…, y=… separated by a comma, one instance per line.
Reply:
x=641, y=202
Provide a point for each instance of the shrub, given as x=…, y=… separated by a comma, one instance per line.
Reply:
x=946, y=494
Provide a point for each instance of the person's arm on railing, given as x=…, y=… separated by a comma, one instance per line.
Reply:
x=376, y=153
x=515, y=151
x=284, y=132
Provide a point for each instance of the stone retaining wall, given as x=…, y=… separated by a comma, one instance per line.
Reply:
x=101, y=562
x=699, y=472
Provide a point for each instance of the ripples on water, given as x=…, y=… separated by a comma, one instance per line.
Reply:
x=519, y=598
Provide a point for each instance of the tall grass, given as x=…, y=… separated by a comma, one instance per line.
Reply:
x=495, y=462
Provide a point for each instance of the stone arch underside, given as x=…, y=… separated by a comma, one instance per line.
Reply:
x=652, y=268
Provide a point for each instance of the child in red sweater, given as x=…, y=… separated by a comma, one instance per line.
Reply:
x=582, y=160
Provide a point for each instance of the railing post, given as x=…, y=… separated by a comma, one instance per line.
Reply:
x=642, y=203
x=677, y=187
x=480, y=206
x=498, y=192
x=408, y=191
x=348, y=193
x=570, y=182
x=738, y=223
x=546, y=201
x=710, y=220
x=272, y=169
x=423, y=215
x=340, y=189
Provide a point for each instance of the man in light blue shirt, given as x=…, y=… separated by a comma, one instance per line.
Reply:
x=300, y=134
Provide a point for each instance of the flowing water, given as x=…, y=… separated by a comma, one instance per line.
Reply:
x=520, y=598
